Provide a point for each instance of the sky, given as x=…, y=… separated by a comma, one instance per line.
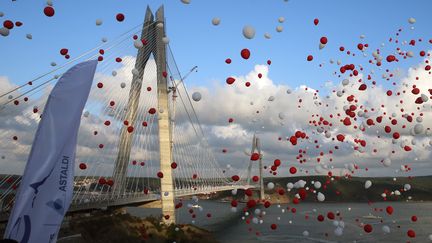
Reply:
x=196, y=42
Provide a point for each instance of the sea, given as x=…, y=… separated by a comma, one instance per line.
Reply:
x=301, y=224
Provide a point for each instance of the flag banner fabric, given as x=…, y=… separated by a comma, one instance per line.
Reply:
x=46, y=188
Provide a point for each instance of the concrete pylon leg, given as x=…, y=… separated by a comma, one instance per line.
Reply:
x=125, y=144
x=150, y=29
x=167, y=187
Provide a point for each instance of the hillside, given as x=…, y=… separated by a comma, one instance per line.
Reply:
x=353, y=189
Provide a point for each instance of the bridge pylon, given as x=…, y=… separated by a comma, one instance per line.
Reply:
x=153, y=31
x=256, y=148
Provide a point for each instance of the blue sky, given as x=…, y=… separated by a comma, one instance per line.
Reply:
x=195, y=41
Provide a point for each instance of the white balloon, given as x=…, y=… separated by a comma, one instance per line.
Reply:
x=321, y=46
x=267, y=36
x=123, y=85
x=4, y=31
x=1, y=14
x=345, y=82
x=386, y=229
x=279, y=28
x=216, y=21
x=86, y=113
x=99, y=22
x=368, y=184
x=407, y=187
x=53, y=64
x=281, y=115
x=49, y=2
x=196, y=96
x=289, y=91
x=248, y=32
x=165, y=40
x=387, y=162
x=114, y=73
x=270, y=185
x=320, y=197
x=135, y=71
x=104, y=39
x=185, y=1
x=317, y=184
x=281, y=19
x=29, y=36
x=411, y=20
x=138, y=44
x=418, y=128
x=305, y=233
x=271, y=98
x=234, y=192
x=255, y=220
x=290, y=185
x=338, y=231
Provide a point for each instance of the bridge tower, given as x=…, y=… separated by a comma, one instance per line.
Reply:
x=256, y=147
x=153, y=31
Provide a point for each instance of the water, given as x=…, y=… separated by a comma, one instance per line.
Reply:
x=229, y=227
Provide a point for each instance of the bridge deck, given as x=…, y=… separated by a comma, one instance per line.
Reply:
x=100, y=201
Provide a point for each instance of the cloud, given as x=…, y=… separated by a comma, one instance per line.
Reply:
x=264, y=108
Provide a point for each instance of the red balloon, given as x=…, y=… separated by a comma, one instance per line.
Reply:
x=362, y=87
x=390, y=58
x=110, y=182
x=323, y=40
x=82, y=166
x=49, y=11
x=309, y=58
x=64, y=51
x=293, y=170
x=273, y=226
x=152, y=111
x=245, y=53
x=130, y=129
x=230, y=80
x=389, y=210
x=102, y=181
x=100, y=85
x=173, y=165
x=316, y=21
x=235, y=178
x=8, y=24
x=120, y=17
x=411, y=233
x=255, y=156
x=160, y=174
x=340, y=137
x=367, y=228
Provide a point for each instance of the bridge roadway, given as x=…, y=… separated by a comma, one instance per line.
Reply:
x=90, y=201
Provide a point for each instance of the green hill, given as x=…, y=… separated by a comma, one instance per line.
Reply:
x=353, y=189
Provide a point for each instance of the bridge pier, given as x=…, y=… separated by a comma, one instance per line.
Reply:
x=256, y=147
x=165, y=138
x=151, y=28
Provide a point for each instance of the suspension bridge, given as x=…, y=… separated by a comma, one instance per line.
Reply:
x=140, y=138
